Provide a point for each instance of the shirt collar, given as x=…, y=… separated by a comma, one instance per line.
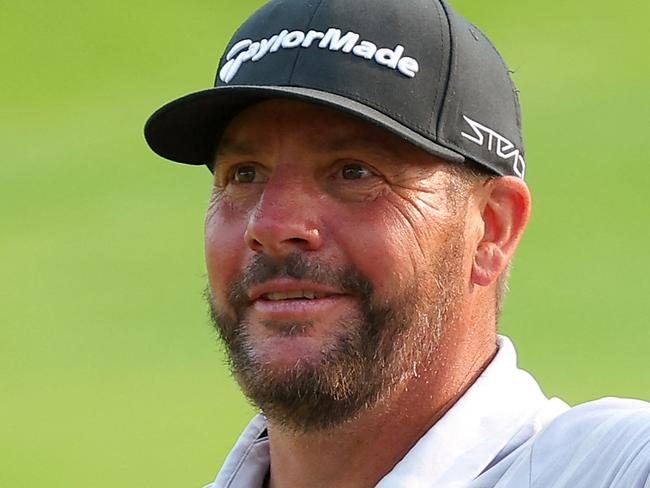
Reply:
x=471, y=434
x=248, y=462
x=453, y=452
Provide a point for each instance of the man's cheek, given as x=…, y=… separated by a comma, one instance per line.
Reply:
x=224, y=256
x=222, y=266
x=224, y=231
x=383, y=258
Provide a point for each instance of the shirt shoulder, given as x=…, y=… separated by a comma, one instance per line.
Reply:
x=599, y=444
x=604, y=443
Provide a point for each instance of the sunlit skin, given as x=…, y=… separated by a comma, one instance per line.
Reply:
x=291, y=176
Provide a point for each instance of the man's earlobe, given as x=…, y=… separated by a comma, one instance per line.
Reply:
x=506, y=209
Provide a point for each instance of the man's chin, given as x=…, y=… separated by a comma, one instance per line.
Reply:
x=306, y=383
x=280, y=354
x=304, y=397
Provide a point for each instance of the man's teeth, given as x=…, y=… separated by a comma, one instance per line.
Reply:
x=310, y=295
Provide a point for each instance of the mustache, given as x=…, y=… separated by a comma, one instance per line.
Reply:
x=298, y=266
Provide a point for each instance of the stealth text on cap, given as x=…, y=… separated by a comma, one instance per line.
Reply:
x=495, y=142
x=333, y=40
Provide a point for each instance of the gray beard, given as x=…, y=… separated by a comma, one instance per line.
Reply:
x=383, y=346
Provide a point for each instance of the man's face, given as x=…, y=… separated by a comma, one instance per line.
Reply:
x=336, y=260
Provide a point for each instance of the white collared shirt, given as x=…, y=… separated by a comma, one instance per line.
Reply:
x=502, y=433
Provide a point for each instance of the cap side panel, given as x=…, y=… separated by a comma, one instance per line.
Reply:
x=512, y=85
x=480, y=117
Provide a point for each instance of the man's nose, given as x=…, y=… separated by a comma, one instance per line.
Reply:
x=285, y=219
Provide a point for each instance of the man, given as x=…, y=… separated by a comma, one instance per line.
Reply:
x=368, y=197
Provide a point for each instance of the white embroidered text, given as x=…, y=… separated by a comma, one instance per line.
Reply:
x=332, y=40
x=496, y=142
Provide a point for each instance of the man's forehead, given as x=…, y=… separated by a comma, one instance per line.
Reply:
x=321, y=129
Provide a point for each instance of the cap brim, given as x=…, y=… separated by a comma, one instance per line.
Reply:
x=187, y=129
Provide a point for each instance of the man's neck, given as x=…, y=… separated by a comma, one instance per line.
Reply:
x=361, y=452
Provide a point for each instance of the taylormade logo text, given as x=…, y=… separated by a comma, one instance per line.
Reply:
x=333, y=40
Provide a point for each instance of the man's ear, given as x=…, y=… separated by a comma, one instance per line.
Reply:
x=505, y=211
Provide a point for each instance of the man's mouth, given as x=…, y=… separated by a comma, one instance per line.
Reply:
x=291, y=299
x=290, y=289
x=295, y=295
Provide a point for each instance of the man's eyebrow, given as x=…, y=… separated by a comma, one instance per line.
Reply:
x=230, y=147
x=357, y=143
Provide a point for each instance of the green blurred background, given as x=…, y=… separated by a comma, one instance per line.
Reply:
x=109, y=373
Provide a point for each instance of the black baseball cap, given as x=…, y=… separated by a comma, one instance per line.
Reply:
x=413, y=67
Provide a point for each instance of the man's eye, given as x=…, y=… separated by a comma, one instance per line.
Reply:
x=245, y=174
x=355, y=172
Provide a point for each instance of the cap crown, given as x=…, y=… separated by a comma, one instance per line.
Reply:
x=416, y=61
